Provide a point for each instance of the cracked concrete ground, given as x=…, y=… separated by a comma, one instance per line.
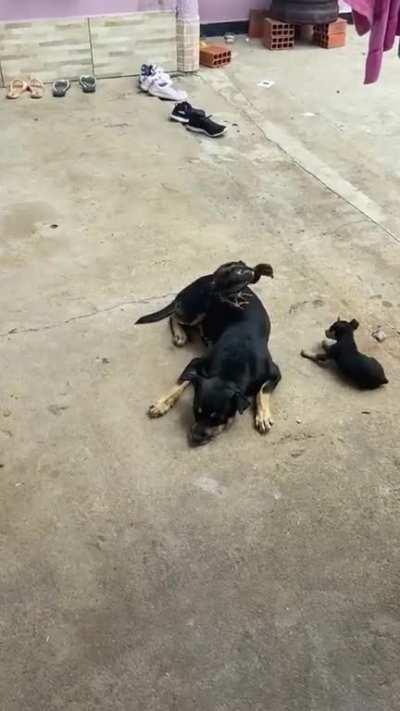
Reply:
x=254, y=573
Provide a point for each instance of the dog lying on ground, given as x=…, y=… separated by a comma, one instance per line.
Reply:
x=361, y=370
x=238, y=365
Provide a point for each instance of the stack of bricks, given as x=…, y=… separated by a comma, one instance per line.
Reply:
x=278, y=35
x=332, y=35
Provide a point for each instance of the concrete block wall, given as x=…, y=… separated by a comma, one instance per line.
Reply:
x=106, y=46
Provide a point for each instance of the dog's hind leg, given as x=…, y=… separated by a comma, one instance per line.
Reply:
x=263, y=418
x=179, y=335
x=167, y=402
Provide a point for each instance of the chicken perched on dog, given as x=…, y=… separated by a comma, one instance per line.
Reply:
x=238, y=365
x=190, y=306
x=362, y=370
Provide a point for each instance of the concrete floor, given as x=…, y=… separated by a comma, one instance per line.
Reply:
x=254, y=573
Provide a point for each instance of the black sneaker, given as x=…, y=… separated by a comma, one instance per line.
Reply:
x=183, y=111
x=204, y=124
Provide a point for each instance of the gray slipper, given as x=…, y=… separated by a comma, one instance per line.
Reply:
x=60, y=87
x=88, y=83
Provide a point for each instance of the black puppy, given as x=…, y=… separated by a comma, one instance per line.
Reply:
x=237, y=367
x=360, y=369
x=190, y=306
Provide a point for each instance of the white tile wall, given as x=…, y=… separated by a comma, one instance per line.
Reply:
x=121, y=44
x=46, y=50
x=107, y=46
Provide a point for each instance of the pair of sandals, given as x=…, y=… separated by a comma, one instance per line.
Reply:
x=59, y=88
x=86, y=81
x=19, y=86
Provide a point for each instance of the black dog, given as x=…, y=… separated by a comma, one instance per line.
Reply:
x=237, y=367
x=363, y=371
x=191, y=305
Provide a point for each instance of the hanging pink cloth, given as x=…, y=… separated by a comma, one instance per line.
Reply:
x=382, y=19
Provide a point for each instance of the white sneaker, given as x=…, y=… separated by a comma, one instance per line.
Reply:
x=145, y=82
x=148, y=72
x=165, y=90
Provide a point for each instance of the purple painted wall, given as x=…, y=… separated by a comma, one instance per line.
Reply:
x=36, y=9
x=223, y=10
x=210, y=10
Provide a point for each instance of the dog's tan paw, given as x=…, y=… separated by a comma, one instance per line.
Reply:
x=263, y=423
x=179, y=339
x=158, y=409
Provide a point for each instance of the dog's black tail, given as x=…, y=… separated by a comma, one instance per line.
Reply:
x=158, y=315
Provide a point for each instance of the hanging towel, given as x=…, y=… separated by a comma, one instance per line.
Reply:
x=382, y=19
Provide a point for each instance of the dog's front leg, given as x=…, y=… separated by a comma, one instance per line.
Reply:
x=315, y=357
x=326, y=346
x=167, y=402
x=263, y=419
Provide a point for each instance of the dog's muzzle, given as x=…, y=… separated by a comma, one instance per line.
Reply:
x=199, y=435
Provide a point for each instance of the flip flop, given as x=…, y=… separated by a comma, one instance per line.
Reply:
x=16, y=88
x=36, y=87
x=60, y=87
x=88, y=83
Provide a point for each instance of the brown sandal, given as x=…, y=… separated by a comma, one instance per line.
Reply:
x=36, y=87
x=16, y=87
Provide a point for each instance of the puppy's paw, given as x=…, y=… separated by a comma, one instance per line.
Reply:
x=159, y=409
x=263, y=422
x=308, y=355
x=179, y=339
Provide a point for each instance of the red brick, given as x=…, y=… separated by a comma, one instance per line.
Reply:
x=215, y=55
x=334, y=28
x=331, y=42
x=256, y=23
x=278, y=35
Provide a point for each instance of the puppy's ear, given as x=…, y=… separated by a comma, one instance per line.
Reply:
x=354, y=324
x=193, y=371
x=242, y=402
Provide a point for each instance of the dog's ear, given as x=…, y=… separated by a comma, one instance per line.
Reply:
x=194, y=370
x=354, y=324
x=263, y=270
x=242, y=402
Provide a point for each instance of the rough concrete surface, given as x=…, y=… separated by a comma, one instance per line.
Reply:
x=257, y=572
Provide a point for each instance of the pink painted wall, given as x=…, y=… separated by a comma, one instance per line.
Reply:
x=36, y=9
x=223, y=10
